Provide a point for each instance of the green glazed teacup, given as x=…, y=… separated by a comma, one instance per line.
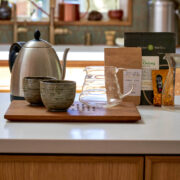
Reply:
x=57, y=95
x=31, y=87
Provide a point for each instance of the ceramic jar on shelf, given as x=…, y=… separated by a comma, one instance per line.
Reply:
x=5, y=10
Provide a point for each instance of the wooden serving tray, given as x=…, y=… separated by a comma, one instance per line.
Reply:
x=20, y=110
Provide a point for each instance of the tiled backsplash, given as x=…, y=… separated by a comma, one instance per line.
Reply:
x=78, y=32
x=6, y=34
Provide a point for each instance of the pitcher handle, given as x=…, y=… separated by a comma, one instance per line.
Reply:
x=130, y=91
x=64, y=63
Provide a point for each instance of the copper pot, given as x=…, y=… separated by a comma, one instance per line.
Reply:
x=69, y=12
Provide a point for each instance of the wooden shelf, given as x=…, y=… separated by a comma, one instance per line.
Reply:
x=33, y=22
x=6, y=22
x=53, y=22
x=127, y=22
x=10, y=22
x=94, y=23
x=74, y=23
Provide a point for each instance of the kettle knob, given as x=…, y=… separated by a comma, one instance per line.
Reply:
x=37, y=35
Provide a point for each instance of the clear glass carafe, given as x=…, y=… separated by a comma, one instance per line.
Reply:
x=101, y=87
x=171, y=88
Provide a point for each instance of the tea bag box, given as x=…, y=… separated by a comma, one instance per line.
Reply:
x=154, y=46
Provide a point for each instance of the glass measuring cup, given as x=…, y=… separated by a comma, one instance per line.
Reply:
x=101, y=87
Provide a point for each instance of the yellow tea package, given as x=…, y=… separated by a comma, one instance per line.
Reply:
x=169, y=90
x=158, y=79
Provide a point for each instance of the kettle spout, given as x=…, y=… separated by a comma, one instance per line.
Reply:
x=64, y=63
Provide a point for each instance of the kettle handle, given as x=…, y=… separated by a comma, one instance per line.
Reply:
x=13, y=52
x=64, y=63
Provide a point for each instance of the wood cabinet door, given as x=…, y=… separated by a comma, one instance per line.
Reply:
x=71, y=167
x=162, y=168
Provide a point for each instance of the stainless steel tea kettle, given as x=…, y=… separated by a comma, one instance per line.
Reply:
x=34, y=58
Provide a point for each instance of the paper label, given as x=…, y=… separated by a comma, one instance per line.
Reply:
x=149, y=63
x=132, y=77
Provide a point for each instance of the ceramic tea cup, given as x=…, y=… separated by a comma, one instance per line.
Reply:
x=57, y=95
x=31, y=87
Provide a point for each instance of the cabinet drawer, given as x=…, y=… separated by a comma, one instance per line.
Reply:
x=71, y=167
x=162, y=168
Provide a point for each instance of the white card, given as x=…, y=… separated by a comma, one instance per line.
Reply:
x=149, y=63
x=132, y=77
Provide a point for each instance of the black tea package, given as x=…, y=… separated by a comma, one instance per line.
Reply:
x=154, y=46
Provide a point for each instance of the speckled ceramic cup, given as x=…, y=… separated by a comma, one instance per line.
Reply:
x=57, y=95
x=31, y=87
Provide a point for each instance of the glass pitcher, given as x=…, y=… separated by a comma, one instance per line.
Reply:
x=101, y=87
x=171, y=89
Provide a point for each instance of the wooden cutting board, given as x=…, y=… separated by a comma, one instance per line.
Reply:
x=20, y=110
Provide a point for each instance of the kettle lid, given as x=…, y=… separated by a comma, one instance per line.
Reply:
x=37, y=42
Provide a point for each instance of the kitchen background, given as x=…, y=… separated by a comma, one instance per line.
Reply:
x=139, y=23
x=76, y=36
